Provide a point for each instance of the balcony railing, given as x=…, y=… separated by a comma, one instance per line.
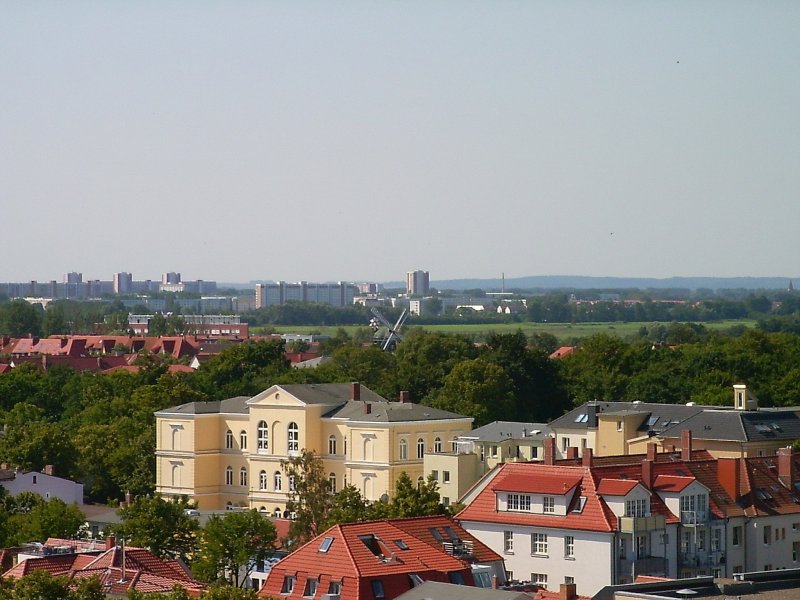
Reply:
x=694, y=517
x=652, y=565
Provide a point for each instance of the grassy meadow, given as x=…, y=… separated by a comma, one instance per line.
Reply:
x=563, y=331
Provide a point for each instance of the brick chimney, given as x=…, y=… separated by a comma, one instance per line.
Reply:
x=49, y=470
x=686, y=444
x=786, y=467
x=405, y=396
x=652, y=450
x=567, y=591
x=647, y=473
x=572, y=452
x=111, y=542
x=367, y=408
x=587, y=457
x=355, y=391
x=549, y=450
x=729, y=474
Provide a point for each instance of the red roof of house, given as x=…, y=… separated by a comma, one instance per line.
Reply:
x=563, y=351
x=421, y=528
x=594, y=516
x=673, y=483
x=616, y=487
x=555, y=484
x=357, y=554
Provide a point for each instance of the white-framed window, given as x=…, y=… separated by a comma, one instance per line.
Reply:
x=403, y=450
x=568, y=579
x=420, y=448
x=332, y=483
x=262, y=480
x=539, y=579
x=539, y=543
x=569, y=546
x=437, y=444
x=519, y=502
x=228, y=439
x=508, y=541
x=243, y=477
x=564, y=444
x=445, y=476
x=243, y=440
x=263, y=436
x=288, y=584
x=229, y=475
x=311, y=588
x=278, y=481
x=636, y=508
x=548, y=504
x=293, y=437
x=331, y=444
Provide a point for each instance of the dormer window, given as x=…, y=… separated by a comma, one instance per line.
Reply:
x=636, y=508
x=519, y=502
x=694, y=508
x=548, y=504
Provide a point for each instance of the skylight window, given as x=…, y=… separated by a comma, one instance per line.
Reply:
x=401, y=544
x=582, y=418
x=326, y=544
x=435, y=533
x=451, y=534
x=652, y=420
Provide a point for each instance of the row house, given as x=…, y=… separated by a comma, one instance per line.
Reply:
x=597, y=521
x=228, y=453
x=614, y=428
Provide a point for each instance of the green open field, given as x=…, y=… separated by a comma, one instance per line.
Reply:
x=563, y=331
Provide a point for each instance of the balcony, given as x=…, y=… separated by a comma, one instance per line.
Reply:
x=701, y=559
x=641, y=524
x=651, y=565
x=693, y=518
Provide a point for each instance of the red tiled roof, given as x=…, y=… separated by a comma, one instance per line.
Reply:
x=595, y=515
x=420, y=527
x=350, y=561
x=673, y=483
x=616, y=487
x=554, y=484
x=563, y=351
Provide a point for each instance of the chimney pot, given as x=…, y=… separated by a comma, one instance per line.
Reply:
x=355, y=391
x=587, y=457
x=49, y=470
x=567, y=591
x=647, y=473
x=572, y=452
x=404, y=396
x=111, y=542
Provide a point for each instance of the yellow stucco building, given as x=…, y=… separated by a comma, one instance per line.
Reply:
x=228, y=453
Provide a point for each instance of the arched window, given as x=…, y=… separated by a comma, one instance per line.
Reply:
x=332, y=444
x=293, y=437
x=243, y=476
x=262, y=480
x=437, y=444
x=278, y=481
x=243, y=440
x=176, y=476
x=229, y=439
x=403, y=450
x=420, y=448
x=277, y=512
x=263, y=509
x=229, y=476
x=332, y=483
x=263, y=436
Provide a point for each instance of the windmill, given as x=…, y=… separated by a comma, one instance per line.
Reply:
x=392, y=335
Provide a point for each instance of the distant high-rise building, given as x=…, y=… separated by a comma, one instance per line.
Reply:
x=417, y=283
x=123, y=283
x=73, y=278
x=170, y=278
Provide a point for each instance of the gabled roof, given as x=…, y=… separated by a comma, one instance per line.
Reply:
x=740, y=426
x=587, y=511
x=355, y=553
x=656, y=416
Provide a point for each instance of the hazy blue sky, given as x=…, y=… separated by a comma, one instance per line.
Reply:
x=358, y=140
